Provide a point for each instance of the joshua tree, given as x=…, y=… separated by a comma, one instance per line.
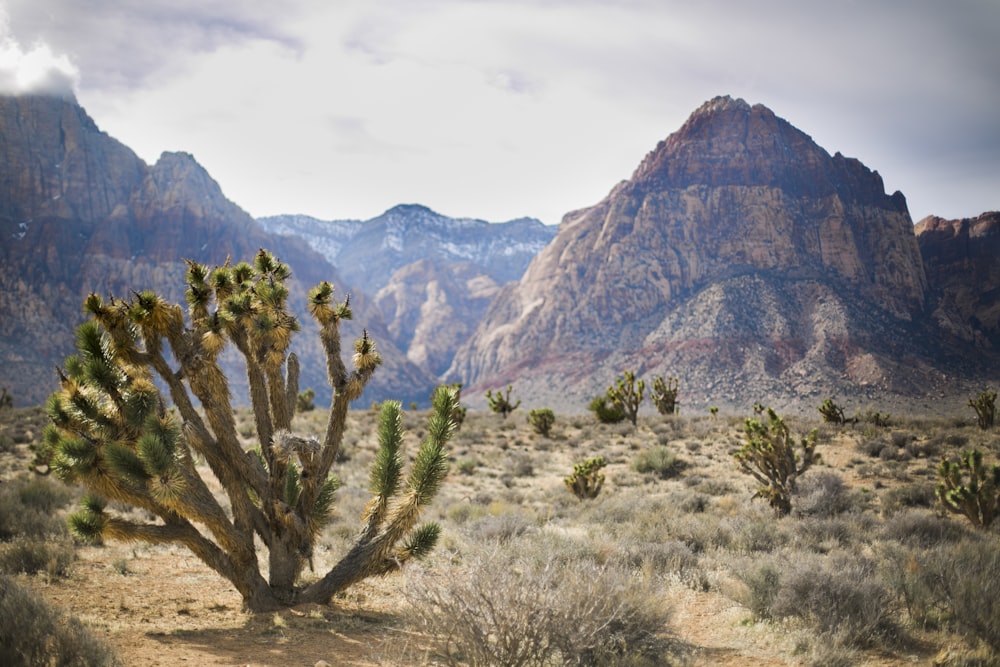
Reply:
x=542, y=420
x=977, y=497
x=587, y=478
x=985, y=407
x=114, y=433
x=500, y=403
x=769, y=456
x=6, y=400
x=627, y=395
x=832, y=413
x=664, y=395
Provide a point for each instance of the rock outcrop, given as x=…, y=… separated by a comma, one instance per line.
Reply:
x=740, y=256
x=81, y=213
x=432, y=276
x=962, y=261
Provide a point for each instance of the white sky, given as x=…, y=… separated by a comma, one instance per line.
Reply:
x=497, y=109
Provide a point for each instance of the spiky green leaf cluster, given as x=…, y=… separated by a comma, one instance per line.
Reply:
x=664, y=394
x=969, y=488
x=587, y=479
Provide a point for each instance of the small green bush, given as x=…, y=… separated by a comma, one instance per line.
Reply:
x=606, y=411
x=658, y=460
x=33, y=633
x=304, y=402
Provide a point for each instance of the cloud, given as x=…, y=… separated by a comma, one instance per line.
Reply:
x=35, y=71
x=126, y=45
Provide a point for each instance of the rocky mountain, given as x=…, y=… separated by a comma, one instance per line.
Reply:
x=740, y=257
x=962, y=262
x=81, y=213
x=432, y=276
x=367, y=253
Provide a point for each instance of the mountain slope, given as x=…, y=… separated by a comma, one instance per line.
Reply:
x=740, y=257
x=81, y=213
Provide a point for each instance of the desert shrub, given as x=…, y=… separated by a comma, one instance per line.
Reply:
x=924, y=449
x=922, y=528
x=953, y=585
x=605, y=410
x=28, y=506
x=519, y=464
x=34, y=556
x=822, y=534
x=871, y=416
x=33, y=633
x=499, y=528
x=877, y=447
x=513, y=608
x=756, y=534
x=658, y=460
x=823, y=493
x=762, y=580
x=841, y=595
x=670, y=557
x=701, y=532
x=917, y=494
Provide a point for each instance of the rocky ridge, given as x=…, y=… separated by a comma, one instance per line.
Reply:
x=741, y=257
x=962, y=261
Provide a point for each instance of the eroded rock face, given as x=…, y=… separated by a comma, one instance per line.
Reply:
x=736, y=192
x=81, y=213
x=962, y=260
x=432, y=309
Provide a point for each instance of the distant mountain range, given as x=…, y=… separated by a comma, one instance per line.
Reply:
x=740, y=257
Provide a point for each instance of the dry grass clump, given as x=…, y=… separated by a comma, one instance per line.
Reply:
x=33, y=535
x=33, y=633
x=516, y=605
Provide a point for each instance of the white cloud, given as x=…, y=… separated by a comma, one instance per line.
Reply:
x=35, y=70
x=498, y=109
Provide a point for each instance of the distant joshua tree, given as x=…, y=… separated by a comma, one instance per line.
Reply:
x=501, y=403
x=627, y=394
